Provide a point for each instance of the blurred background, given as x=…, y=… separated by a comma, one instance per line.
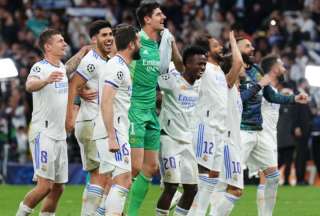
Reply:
x=290, y=29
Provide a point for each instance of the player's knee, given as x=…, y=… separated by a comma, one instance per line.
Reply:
x=213, y=174
x=57, y=188
x=44, y=185
x=235, y=191
x=191, y=190
x=273, y=178
x=170, y=188
x=136, y=168
x=150, y=169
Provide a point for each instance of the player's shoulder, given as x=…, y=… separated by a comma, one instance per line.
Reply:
x=90, y=57
x=117, y=61
x=40, y=66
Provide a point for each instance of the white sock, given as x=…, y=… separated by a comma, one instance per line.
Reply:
x=260, y=199
x=93, y=196
x=84, y=199
x=162, y=212
x=47, y=214
x=115, y=200
x=270, y=192
x=215, y=198
x=23, y=210
x=180, y=211
x=226, y=204
x=101, y=210
x=201, y=201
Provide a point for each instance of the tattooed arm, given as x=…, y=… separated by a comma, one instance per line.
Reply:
x=74, y=61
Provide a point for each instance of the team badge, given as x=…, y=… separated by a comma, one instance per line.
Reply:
x=235, y=177
x=126, y=160
x=120, y=75
x=44, y=168
x=36, y=69
x=165, y=76
x=168, y=175
x=205, y=158
x=90, y=68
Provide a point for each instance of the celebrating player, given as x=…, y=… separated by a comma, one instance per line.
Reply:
x=211, y=123
x=48, y=83
x=256, y=151
x=87, y=76
x=144, y=126
x=112, y=124
x=177, y=159
x=231, y=176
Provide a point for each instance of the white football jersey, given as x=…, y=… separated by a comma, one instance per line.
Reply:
x=50, y=102
x=234, y=114
x=90, y=67
x=212, y=106
x=178, y=105
x=116, y=74
x=270, y=115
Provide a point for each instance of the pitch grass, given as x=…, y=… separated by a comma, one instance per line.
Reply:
x=292, y=201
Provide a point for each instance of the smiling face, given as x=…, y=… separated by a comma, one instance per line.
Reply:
x=104, y=40
x=196, y=66
x=56, y=46
x=156, y=20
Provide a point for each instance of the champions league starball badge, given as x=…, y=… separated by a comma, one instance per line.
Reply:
x=90, y=68
x=120, y=75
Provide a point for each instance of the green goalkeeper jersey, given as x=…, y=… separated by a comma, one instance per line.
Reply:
x=144, y=74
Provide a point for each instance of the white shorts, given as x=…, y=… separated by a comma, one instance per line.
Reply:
x=115, y=163
x=88, y=148
x=50, y=158
x=259, y=150
x=178, y=163
x=208, y=144
x=232, y=172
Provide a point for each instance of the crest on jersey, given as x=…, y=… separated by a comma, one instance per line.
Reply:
x=90, y=68
x=36, y=69
x=165, y=76
x=120, y=75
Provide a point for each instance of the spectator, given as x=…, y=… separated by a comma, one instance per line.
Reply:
x=302, y=133
x=286, y=142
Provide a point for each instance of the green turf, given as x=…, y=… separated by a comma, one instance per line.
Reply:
x=292, y=201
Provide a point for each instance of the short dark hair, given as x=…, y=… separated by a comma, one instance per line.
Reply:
x=96, y=26
x=268, y=62
x=123, y=35
x=146, y=8
x=191, y=51
x=45, y=36
x=203, y=41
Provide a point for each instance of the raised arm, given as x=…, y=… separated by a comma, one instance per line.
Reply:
x=176, y=57
x=237, y=61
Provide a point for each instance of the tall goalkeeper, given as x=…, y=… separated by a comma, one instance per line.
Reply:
x=156, y=53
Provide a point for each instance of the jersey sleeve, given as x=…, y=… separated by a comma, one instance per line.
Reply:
x=168, y=81
x=86, y=69
x=37, y=70
x=114, y=77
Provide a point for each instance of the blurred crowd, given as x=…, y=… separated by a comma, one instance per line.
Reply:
x=290, y=29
